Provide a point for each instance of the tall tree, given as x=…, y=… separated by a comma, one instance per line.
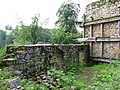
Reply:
x=23, y=35
x=67, y=16
x=35, y=29
x=28, y=34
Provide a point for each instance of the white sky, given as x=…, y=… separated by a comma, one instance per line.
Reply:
x=25, y=9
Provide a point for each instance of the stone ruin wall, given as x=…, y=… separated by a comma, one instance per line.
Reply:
x=87, y=31
x=97, y=11
x=96, y=31
x=110, y=29
x=39, y=58
x=108, y=48
x=96, y=50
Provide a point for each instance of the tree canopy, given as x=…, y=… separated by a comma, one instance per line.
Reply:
x=63, y=37
x=67, y=16
x=31, y=34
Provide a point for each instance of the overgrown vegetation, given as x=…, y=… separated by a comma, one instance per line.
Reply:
x=63, y=37
x=6, y=75
x=97, y=77
x=108, y=78
x=2, y=38
x=31, y=34
x=2, y=53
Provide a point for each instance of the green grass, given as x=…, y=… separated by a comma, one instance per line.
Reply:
x=83, y=78
x=86, y=74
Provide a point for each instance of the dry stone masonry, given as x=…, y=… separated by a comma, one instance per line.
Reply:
x=102, y=28
x=31, y=59
x=102, y=9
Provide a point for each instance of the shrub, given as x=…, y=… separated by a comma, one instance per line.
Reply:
x=60, y=36
x=2, y=52
x=108, y=79
x=67, y=79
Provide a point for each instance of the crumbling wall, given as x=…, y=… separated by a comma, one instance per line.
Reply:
x=98, y=10
x=39, y=58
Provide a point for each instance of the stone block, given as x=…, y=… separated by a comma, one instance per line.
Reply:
x=15, y=83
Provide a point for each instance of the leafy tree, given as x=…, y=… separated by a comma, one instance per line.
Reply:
x=57, y=36
x=44, y=36
x=9, y=39
x=34, y=29
x=2, y=38
x=67, y=16
x=12, y=36
x=63, y=37
x=23, y=35
x=32, y=33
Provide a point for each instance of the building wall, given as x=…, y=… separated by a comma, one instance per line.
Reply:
x=97, y=11
x=110, y=29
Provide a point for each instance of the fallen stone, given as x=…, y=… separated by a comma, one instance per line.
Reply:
x=15, y=83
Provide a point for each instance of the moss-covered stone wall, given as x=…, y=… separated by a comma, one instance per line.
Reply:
x=39, y=58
